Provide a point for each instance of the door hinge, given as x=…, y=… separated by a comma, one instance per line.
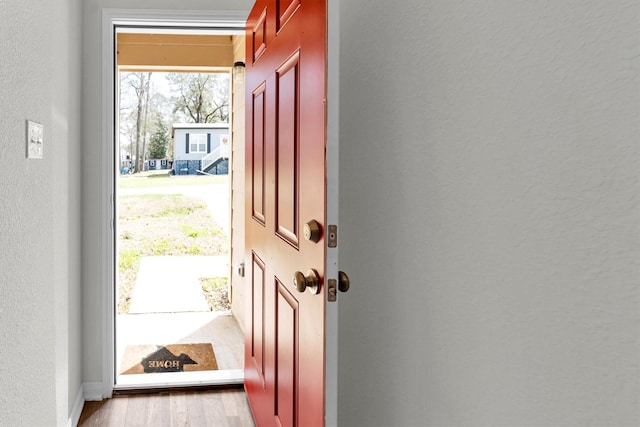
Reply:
x=332, y=236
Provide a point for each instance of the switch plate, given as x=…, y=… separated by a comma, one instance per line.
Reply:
x=34, y=140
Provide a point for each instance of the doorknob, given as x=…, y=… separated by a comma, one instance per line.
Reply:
x=343, y=281
x=311, y=281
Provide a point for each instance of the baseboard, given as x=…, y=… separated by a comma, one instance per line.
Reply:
x=93, y=391
x=77, y=408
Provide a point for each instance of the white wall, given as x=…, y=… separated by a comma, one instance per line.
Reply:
x=489, y=213
x=92, y=150
x=40, y=368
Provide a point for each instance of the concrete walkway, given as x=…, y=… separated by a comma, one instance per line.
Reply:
x=169, y=306
x=170, y=284
x=218, y=328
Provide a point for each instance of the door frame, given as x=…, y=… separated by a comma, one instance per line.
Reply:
x=173, y=21
x=332, y=201
x=230, y=20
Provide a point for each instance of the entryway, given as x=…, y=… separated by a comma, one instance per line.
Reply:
x=291, y=234
x=171, y=333
x=175, y=328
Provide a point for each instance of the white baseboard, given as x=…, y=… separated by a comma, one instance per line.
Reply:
x=77, y=408
x=87, y=392
x=93, y=391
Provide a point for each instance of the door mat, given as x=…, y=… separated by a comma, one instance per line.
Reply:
x=146, y=359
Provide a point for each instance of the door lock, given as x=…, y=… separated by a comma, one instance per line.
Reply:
x=240, y=269
x=311, y=281
x=312, y=231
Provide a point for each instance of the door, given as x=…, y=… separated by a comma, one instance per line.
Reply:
x=285, y=212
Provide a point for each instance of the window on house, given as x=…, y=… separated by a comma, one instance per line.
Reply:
x=198, y=143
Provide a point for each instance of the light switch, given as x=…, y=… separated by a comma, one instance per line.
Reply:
x=34, y=140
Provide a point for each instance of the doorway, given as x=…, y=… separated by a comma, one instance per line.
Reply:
x=166, y=322
x=221, y=20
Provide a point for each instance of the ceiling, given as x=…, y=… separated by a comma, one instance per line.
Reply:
x=174, y=52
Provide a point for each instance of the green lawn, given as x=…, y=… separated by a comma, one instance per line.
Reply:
x=163, y=224
x=162, y=179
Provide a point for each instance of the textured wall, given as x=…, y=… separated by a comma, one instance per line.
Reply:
x=92, y=152
x=39, y=213
x=66, y=177
x=489, y=213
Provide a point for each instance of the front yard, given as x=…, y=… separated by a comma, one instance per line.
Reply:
x=165, y=224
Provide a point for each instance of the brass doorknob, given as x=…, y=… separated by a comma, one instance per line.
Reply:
x=311, y=281
x=343, y=281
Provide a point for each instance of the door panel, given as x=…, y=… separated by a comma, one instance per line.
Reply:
x=287, y=148
x=257, y=316
x=257, y=135
x=258, y=37
x=286, y=355
x=286, y=8
x=285, y=176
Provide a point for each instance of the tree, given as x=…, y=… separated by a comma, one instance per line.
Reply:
x=201, y=98
x=139, y=84
x=127, y=119
x=147, y=99
x=159, y=140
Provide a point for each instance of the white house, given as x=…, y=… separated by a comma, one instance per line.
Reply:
x=200, y=147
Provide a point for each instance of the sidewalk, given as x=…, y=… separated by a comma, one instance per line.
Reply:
x=168, y=305
x=170, y=284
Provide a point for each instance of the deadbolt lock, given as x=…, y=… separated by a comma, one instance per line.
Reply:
x=312, y=231
x=311, y=281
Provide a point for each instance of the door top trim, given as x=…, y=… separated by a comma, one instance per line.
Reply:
x=174, y=20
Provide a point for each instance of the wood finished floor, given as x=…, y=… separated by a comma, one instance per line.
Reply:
x=199, y=408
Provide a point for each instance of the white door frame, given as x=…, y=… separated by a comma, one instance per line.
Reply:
x=224, y=20
x=332, y=198
x=174, y=21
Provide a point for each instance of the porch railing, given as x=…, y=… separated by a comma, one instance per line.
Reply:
x=220, y=152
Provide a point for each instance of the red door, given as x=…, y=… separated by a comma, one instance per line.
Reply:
x=285, y=182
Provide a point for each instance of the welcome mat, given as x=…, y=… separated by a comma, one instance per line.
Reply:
x=146, y=359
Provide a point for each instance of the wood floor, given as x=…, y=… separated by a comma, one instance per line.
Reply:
x=197, y=408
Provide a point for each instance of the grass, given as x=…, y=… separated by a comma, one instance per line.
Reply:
x=167, y=224
x=190, y=231
x=216, y=292
x=162, y=179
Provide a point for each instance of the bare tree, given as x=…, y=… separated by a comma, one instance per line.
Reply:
x=127, y=107
x=146, y=110
x=201, y=98
x=139, y=83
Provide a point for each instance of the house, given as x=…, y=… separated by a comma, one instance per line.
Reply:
x=200, y=147
x=489, y=215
